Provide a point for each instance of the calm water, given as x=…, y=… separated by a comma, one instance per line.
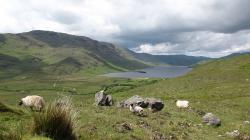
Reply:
x=153, y=72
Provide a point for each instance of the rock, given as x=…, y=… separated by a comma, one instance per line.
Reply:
x=233, y=134
x=136, y=100
x=154, y=104
x=211, y=119
x=103, y=99
x=120, y=104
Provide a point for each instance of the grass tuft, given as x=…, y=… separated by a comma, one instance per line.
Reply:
x=10, y=133
x=57, y=121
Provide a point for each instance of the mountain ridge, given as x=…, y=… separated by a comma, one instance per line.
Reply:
x=52, y=48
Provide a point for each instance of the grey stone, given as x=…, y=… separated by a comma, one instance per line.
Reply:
x=103, y=99
x=211, y=119
x=136, y=100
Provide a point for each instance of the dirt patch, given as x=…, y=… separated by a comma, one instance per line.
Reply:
x=133, y=137
x=90, y=129
x=158, y=136
x=143, y=124
x=123, y=127
x=244, y=137
x=184, y=125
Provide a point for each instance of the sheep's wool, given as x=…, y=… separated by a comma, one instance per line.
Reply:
x=33, y=101
x=182, y=103
x=138, y=109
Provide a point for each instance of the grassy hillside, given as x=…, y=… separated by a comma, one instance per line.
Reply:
x=61, y=53
x=47, y=52
x=220, y=86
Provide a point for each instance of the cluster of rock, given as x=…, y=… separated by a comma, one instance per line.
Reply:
x=152, y=103
x=104, y=99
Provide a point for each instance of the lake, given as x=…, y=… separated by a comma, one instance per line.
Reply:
x=153, y=72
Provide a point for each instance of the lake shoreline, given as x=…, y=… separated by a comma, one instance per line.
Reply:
x=152, y=72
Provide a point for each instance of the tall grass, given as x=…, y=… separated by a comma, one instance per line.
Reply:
x=11, y=134
x=57, y=121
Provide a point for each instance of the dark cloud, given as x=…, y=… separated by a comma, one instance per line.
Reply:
x=65, y=17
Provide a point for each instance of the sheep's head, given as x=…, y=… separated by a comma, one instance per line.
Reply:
x=20, y=102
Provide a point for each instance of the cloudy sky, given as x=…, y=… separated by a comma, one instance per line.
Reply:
x=211, y=28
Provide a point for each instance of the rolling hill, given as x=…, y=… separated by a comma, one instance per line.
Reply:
x=220, y=86
x=177, y=60
x=59, y=53
x=50, y=52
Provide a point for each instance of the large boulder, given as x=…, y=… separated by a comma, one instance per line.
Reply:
x=211, y=119
x=103, y=99
x=136, y=100
x=154, y=104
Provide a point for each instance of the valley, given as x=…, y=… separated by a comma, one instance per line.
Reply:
x=54, y=67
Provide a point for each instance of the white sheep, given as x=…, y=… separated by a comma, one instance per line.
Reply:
x=136, y=109
x=182, y=103
x=33, y=101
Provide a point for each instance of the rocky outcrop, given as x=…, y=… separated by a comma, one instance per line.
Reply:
x=103, y=99
x=136, y=100
x=154, y=104
x=211, y=119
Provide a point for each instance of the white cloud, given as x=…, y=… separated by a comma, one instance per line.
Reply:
x=201, y=44
x=161, y=48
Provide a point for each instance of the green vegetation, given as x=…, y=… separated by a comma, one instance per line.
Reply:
x=221, y=86
x=45, y=53
x=57, y=121
x=54, y=65
x=10, y=133
x=57, y=53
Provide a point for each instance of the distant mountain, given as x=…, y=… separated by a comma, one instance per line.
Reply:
x=178, y=60
x=235, y=54
x=101, y=51
x=59, y=53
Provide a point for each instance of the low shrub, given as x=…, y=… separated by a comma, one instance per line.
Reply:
x=57, y=121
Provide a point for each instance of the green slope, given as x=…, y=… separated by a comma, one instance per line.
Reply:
x=56, y=50
x=221, y=86
x=177, y=60
x=12, y=66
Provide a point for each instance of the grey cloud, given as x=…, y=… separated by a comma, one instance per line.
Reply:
x=202, y=44
x=65, y=17
x=195, y=27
